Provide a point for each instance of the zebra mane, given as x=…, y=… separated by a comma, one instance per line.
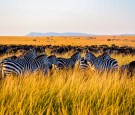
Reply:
x=51, y=56
x=13, y=57
x=40, y=56
x=105, y=55
x=92, y=55
x=31, y=50
x=75, y=54
x=25, y=53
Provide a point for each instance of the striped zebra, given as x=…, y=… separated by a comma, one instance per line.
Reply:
x=5, y=60
x=40, y=63
x=103, y=62
x=83, y=64
x=123, y=70
x=62, y=63
x=19, y=66
x=128, y=68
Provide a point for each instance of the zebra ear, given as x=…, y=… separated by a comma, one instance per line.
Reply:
x=106, y=55
x=86, y=51
x=32, y=49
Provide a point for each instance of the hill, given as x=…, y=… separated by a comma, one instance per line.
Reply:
x=57, y=34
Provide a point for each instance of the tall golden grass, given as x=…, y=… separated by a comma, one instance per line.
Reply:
x=69, y=92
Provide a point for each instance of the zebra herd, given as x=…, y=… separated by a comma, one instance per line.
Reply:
x=25, y=63
x=101, y=63
x=30, y=62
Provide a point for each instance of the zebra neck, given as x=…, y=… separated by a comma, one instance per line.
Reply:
x=51, y=61
x=36, y=64
x=74, y=59
x=92, y=61
x=28, y=58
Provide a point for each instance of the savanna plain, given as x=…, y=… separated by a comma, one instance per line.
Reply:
x=73, y=91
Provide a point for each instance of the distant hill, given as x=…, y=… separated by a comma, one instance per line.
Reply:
x=70, y=34
x=58, y=34
x=128, y=35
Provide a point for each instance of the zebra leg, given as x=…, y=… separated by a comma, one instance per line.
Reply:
x=45, y=69
x=0, y=73
x=3, y=74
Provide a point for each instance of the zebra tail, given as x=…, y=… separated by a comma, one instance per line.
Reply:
x=0, y=70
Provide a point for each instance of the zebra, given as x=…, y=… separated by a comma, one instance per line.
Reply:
x=19, y=66
x=40, y=63
x=102, y=63
x=124, y=67
x=5, y=60
x=62, y=63
x=129, y=68
x=83, y=64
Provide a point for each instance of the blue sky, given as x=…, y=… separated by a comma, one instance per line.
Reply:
x=19, y=17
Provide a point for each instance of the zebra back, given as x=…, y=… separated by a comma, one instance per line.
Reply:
x=31, y=54
x=9, y=59
x=102, y=57
x=105, y=62
x=75, y=57
x=67, y=62
x=41, y=62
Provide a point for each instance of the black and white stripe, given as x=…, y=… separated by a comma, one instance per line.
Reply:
x=89, y=57
x=19, y=66
x=103, y=62
x=83, y=64
x=40, y=63
x=67, y=62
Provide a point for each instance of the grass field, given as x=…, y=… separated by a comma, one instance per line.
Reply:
x=79, y=41
x=69, y=92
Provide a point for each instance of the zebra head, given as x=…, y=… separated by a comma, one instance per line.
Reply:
x=76, y=56
x=105, y=56
x=30, y=55
x=52, y=59
x=89, y=57
x=43, y=60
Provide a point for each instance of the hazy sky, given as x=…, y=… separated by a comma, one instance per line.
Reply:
x=19, y=17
